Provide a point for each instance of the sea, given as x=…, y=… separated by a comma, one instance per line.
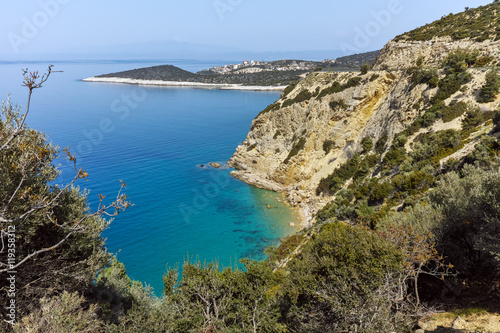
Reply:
x=159, y=141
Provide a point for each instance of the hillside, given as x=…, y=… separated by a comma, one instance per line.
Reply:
x=355, y=61
x=396, y=172
x=475, y=29
x=360, y=148
x=274, y=73
x=477, y=24
x=175, y=74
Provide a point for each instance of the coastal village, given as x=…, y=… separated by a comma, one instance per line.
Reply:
x=255, y=66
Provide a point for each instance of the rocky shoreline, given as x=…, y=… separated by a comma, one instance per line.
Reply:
x=305, y=202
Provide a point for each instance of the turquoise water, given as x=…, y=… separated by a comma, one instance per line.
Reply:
x=157, y=140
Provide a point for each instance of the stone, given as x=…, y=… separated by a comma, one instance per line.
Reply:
x=458, y=323
x=215, y=165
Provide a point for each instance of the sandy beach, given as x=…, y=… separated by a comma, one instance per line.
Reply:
x=183, y=84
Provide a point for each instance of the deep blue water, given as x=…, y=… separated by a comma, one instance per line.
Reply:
x=155, y=139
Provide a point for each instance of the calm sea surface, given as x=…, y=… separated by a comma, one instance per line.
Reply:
x=156, y=139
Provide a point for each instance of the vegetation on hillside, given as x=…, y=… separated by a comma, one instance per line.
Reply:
x=172, y=73
x=478, y=24
x=406, y=226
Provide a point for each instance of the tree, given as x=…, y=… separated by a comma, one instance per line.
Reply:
x=209, y=299
x=470, y=232
x=490, y=89
x=50, y=238
x=367, y=144
x=346, y=279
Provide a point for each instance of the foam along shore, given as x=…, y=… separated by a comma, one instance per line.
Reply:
x=184, y=84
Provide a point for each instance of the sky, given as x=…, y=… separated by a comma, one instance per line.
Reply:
x=34, y=27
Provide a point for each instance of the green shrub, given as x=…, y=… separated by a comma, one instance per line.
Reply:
x=471, y=227
x=447, y=87
x=490, y=89
x=304, y=95
x=64, y=313
x=431, y=147
x=380, y=145
x=454, y=111
x=380, y=192
x=394, y=157
x=473, y=118
x=337, y=87
x=496, y=121
x=289, y=89
x=269, y=108
x=483, y=61
x=366, y=144
x=400, y=140
x=352, y=82
x=337, y=179
x=328, y=145
x=340, y=104
x=297, y=147
x=340, y=282
x=425, y=76
x=252, y=147
x=365, y=68
x=418, y=182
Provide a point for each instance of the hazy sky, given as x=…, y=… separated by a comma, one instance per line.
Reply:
x=52, y=26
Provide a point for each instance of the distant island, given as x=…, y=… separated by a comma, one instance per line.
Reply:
x=248, y=75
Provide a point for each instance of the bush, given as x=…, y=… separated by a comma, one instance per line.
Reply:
x=59, y=245
x=380, y=192
x=289, y=89
x=454, y=111
x=304, y=95
x=394, y=157
x=342, y=281
x=496, y=121
x=471, y=209
x=62, y=314
x=328, y=145
x=473, y=118
x=297, y=147
x=380, y=145
x=425, y=76
x=365, y=68
x=490, y=89
x=337, y=179
x=269, y=108
x=340, y=104
x=337, y=87
x=483, y=61
x=366, y=144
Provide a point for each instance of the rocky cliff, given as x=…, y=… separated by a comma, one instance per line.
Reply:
x=319, y=123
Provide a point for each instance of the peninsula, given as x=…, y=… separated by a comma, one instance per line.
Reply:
x=248, y=75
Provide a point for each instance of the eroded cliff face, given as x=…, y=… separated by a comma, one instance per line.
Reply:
x=380, y=103
x=320, y=123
